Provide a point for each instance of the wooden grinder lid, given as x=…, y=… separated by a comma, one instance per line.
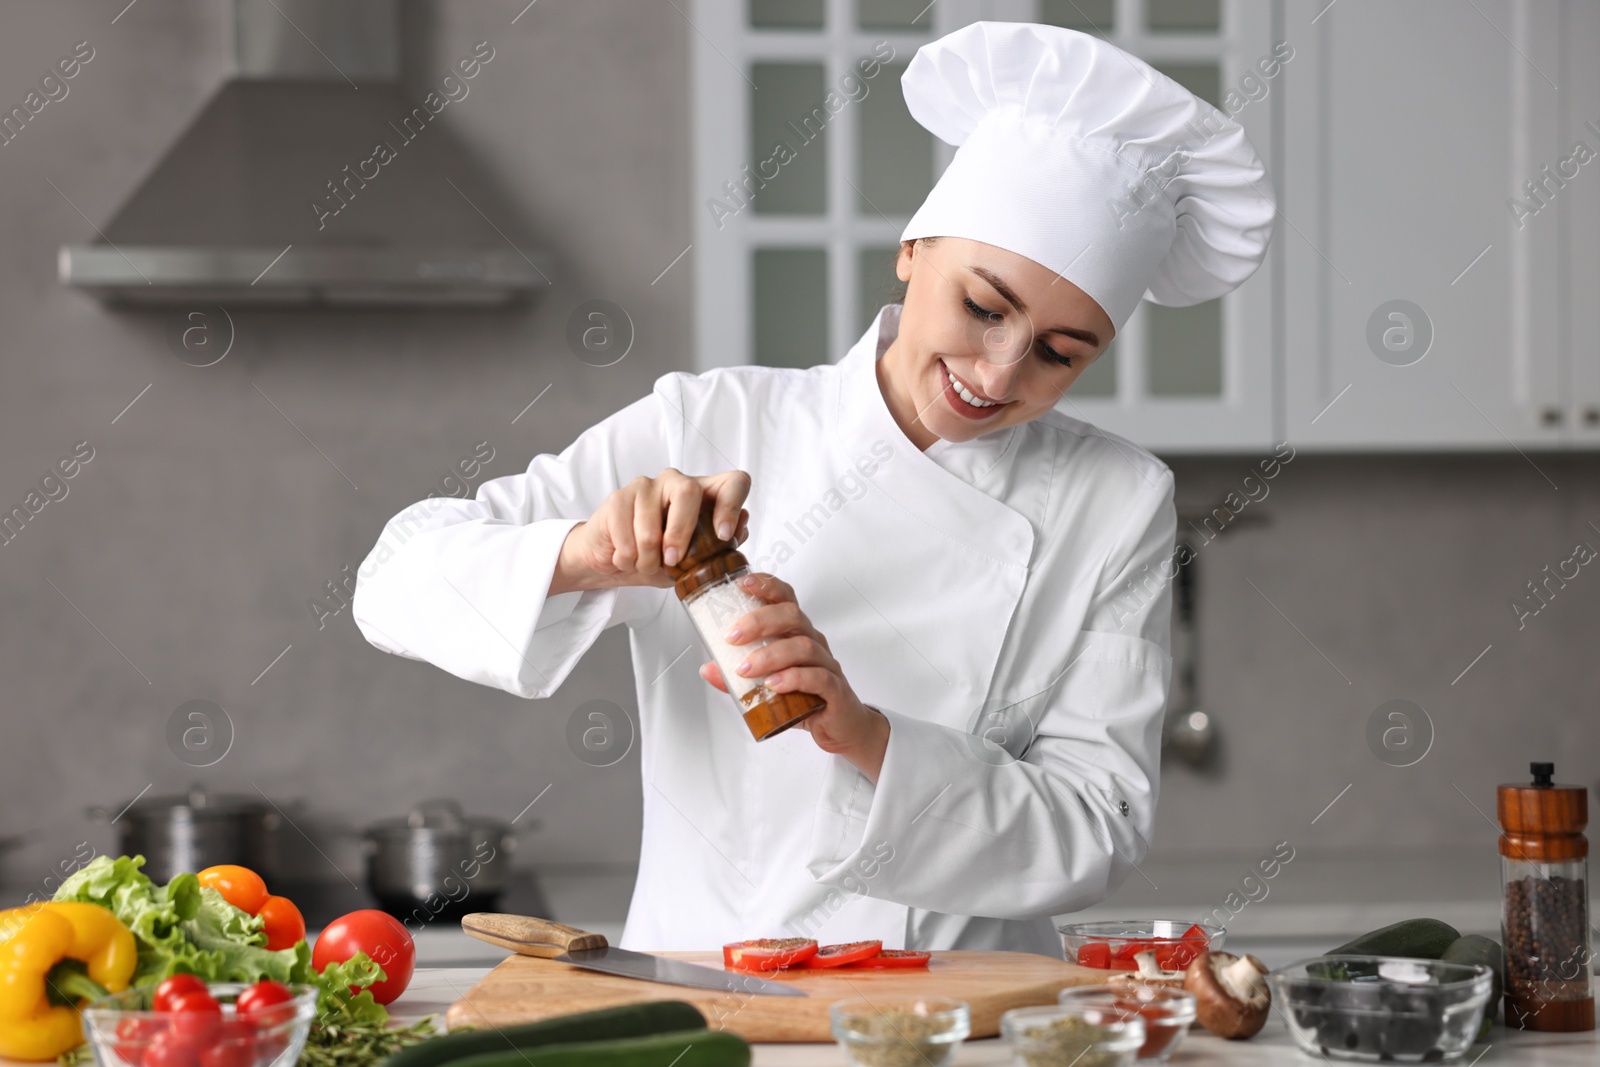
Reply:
x=708, y=557
x=1543, y=821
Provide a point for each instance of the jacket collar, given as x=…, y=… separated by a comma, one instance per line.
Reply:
x=859, y=418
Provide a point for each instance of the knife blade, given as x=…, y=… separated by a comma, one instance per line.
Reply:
x=530, y=936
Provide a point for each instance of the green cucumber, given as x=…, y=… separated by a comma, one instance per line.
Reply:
x=627, y=1020
x=1473, y=948
x=686, y=1048
x=1418, y=939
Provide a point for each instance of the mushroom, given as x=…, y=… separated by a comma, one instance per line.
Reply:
x=1230, y=992
x=1149, y=973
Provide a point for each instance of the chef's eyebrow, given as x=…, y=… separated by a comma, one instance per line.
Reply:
x=1088, y=337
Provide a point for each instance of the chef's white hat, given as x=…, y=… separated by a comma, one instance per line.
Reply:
x=1090, y=162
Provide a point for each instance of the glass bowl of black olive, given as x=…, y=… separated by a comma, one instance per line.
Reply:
x=1383, y=1009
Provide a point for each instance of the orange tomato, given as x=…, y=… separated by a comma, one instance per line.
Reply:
x=239, y=886
x=284, y=924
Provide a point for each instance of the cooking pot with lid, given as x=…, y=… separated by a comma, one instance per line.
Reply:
x=436, y=862
x=196, y=829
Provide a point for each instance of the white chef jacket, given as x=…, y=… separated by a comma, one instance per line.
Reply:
x=1004, y=602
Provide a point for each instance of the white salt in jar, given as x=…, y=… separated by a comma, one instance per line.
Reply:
x=708, y=584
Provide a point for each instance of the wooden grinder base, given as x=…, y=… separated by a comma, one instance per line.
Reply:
x=1554, y=1016
x=781, y=712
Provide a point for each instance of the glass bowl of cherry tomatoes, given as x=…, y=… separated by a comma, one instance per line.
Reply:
x=1115, y=945
x=185, y=1022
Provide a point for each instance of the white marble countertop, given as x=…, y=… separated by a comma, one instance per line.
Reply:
x=434, y=989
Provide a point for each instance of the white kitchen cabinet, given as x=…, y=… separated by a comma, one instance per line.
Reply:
x=1412, y=134
x=1580, y=337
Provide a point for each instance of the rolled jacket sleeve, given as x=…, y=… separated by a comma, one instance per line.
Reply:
x=977, y=832
x=463, y=584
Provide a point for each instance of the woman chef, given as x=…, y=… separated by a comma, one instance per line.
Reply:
x=975, y=583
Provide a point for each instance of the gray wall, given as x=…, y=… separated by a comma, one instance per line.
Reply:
x=195, y=537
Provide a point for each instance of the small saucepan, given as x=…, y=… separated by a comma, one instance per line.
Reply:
x=435, y=862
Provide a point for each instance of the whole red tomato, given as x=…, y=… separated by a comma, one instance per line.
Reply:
x=284, y=924
x=196, y=1016
x=172, y=988
x=171, y=1049
x=380, y=936
x=234, y=1045
x=265, y=1004
x=134, y=1034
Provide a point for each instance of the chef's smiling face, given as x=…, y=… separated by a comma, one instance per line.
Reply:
x=988, y=339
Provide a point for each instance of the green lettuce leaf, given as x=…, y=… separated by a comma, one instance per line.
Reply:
x=337, y=1004
x=189, y=928
x=232, y=944
x=155, y=914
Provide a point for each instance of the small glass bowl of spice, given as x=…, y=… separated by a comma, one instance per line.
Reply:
x=1072, y=1036
x=900, y=1031
x=1167, y=1012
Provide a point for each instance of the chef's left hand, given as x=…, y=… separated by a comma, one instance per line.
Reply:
x=797, y=659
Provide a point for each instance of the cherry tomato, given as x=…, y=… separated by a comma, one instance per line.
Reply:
x=234, y=1045
x=195, y=1017
x=894, y=959
x=768, y=954
x=1096, y=954
x=829, y=956
x=239, y=886
x=134, y=1034
x=380, y=936
x=285, y=925
x=265, y=1004
x=171, y=1049
x=171, y=988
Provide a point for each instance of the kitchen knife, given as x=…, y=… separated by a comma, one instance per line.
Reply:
x=528, y=936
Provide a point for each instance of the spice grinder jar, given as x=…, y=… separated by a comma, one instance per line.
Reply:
x=708, y=585
x=1544, y=861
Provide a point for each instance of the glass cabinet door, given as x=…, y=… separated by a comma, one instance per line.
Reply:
x=808, y=167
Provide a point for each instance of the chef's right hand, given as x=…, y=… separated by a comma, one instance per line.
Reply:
x=645, y=524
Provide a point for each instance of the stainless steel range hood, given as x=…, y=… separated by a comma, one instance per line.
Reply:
x=279, y=193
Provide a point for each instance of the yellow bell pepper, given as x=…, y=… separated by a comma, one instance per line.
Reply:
x=31, y=1027
x=14, y=919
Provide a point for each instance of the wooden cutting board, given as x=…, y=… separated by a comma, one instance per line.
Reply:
x=525, y=989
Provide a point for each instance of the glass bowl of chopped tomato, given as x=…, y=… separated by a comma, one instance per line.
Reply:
x=206, y=1024
x=1115, y=945
x=1167, y=1013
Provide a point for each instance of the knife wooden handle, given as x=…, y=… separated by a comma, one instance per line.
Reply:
x=527, y=935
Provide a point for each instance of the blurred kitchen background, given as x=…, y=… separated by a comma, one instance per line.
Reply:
x=1417, y=366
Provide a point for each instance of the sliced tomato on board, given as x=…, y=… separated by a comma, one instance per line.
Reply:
x=842, y=955
x=1096, y=954
x=768, y=953
x=892, y=959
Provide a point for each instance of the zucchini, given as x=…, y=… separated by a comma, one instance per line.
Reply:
x=627, y=1020
x=1473, y=948
x=1418, y=939
x=686, y=1048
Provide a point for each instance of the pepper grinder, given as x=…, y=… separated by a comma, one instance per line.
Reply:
x=1544, y=916
x=708, y=585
